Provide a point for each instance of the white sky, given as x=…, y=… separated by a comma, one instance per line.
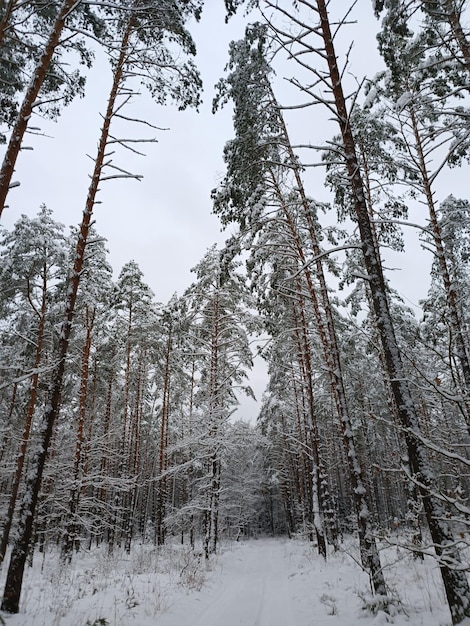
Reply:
x=164, y=222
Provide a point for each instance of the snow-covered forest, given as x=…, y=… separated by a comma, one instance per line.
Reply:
x=124, y=462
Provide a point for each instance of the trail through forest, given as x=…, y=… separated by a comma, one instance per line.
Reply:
x=256, y=588
x=274, y=583
x=263, y=582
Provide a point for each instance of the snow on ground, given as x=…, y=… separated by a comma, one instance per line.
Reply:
x=264, y=582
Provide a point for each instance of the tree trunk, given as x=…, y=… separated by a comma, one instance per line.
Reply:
x=75, y=491
x=307, y=374
x=413, y=496
x=136, y=450
x=451, y=294
x=454, y=579
x=211, y=537
x=28, y=421
x=8, y=421
x=14, y=579
x=104, y=462
x=26, y=110
x=453, y=17
x=162, y=482
x=214, y=508
x=369, y=552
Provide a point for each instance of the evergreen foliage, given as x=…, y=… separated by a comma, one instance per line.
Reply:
x=119, y=413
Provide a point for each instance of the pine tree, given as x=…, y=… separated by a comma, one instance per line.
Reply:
x=455, y=581
x=32, y=257
x=49, y=84
x=261, y=137
x=93, y=305
x=182, y=84
x=221, y=321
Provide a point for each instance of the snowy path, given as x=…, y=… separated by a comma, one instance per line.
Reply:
x=272, y=582
x=265, y=582
x=253, y=590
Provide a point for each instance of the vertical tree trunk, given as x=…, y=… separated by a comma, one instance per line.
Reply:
x=14, y=580
x=123, y=458
x=25, y=112
x=451, y=294
x=88, y=437
x=211, y=535
x=28, y=421
x=190, y=452
x=162, y=481
x=413, y=496
x=454, y=579
x=5, y=21
x=214, y=505
x=307, y=374
x=104, y=463
x=75, y=491
x=136, y=450
x=453, y=17
x=7, y=435
x=286, y=481
x=369, y=552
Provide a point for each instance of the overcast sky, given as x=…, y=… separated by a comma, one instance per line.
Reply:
x=164, y=222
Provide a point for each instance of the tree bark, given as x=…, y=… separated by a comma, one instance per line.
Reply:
x=5, y=21
x=76, y=489
x=28, y=421
x=454, y=579
x=162, y=459
x=369, y=553
x=451, y=294
x=307, y=375
x=453, y=17
x=26, y=109
x=14, y=580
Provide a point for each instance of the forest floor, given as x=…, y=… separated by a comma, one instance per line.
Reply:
x=264, y=582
